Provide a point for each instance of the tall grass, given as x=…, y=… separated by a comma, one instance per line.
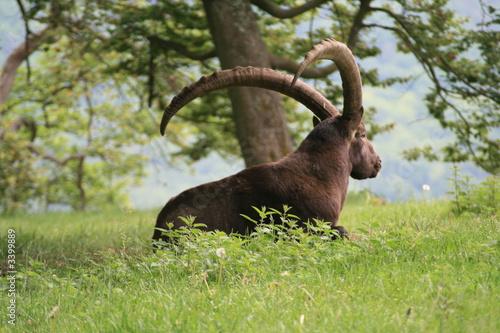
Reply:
x=413, y=267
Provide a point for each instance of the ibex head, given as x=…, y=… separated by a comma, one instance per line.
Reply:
x=364, y=161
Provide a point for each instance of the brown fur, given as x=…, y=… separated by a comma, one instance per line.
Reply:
x=313, y=180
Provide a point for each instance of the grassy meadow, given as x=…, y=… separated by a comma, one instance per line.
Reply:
x=408, y=267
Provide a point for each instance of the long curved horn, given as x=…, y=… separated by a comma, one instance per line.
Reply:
x=351, y=79
x=251, y=77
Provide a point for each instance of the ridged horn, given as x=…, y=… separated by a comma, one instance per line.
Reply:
x=351, y=79
x=251, y=77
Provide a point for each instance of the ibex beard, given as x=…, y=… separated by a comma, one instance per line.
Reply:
x=313, y=180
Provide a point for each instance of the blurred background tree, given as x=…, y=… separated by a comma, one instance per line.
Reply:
x=102, y=71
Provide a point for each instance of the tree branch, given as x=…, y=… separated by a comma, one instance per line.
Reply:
x=20, y=54
x=31, y=125
x=357, y=24
x=289, y=65
x=405, y=35
x=427, y=65
x=157, y=42
x=28, y=32
x=462, y=79
x=282, y=13
x=61, y=162
x=28, y=123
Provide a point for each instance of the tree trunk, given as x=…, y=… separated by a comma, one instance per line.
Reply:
x=259, y=114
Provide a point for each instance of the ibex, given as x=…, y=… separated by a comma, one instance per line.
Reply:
x=313, y=180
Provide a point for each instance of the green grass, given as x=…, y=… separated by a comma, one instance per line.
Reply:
x=410, y=267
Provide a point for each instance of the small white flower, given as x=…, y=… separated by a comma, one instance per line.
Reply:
x=426, y=187
x=220, y=252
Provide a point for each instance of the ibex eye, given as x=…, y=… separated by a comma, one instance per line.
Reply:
x=363, y=135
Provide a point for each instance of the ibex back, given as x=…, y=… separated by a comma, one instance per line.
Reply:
x=313, y=180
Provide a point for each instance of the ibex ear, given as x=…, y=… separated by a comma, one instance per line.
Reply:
x=353, y=119
x=316, y=121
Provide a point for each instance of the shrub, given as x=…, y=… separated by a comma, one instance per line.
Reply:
x=466, y=197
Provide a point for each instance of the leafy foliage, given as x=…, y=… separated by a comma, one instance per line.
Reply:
x=18, y=179
x=468, y=198
x=464, y=66
x=80, y=130
x=90, y=93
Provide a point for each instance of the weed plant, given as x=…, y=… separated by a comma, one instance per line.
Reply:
x=466, y=197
